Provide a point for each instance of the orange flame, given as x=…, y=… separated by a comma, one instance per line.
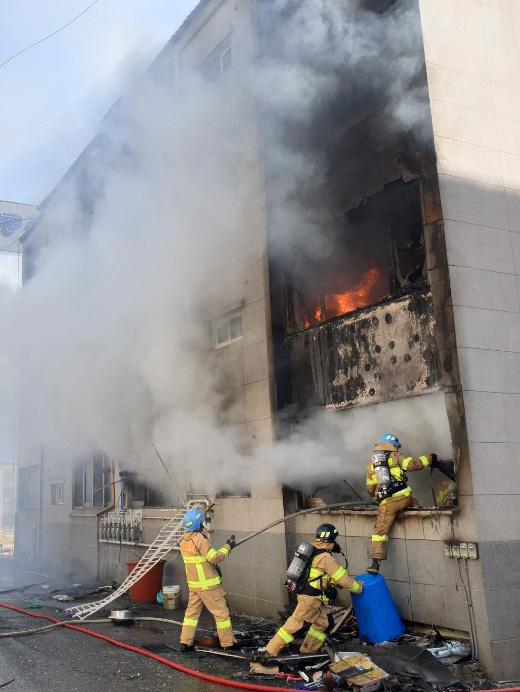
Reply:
x=335, y=304
x=358, y=297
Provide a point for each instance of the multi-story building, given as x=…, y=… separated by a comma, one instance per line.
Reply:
x=411, y=315
x=15, y=220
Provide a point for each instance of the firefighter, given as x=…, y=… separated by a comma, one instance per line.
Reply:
x=204, y=581
x=325, y=574
x=388, y=484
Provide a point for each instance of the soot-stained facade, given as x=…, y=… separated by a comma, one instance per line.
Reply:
x=415, y=274
x=366, y=318
x=379, y=353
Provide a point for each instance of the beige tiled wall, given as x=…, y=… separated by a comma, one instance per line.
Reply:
x=424, y=585
x=254, y=575
x=472, y=50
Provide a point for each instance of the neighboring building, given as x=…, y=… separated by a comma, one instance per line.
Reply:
x=419, y=298
x=16, y=220
x=7, y=507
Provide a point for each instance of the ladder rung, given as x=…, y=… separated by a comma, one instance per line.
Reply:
x=166, y=540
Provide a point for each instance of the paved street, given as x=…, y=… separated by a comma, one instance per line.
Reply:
x=65, y=660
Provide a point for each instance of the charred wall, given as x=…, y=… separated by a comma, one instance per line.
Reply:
x=368, y=318
x=377, y=354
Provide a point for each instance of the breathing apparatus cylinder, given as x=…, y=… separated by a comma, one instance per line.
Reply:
x=381, y=469
x=298, y=565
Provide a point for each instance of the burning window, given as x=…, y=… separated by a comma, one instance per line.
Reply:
x=227, y=329
x=136, y=493
x=373, y=252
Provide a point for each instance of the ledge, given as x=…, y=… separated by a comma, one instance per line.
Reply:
x=412, y=512
x=86, y=512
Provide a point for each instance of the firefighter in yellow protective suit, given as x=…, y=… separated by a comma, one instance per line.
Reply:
x=312, y=607
x=388, y=484
x=204, y=581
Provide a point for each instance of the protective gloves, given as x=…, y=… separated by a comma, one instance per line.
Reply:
x=445, y=467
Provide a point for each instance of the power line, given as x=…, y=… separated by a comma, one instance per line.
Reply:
x=48, y=120
x=57, y=31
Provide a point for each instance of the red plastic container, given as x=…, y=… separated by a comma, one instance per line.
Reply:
x=147, y=588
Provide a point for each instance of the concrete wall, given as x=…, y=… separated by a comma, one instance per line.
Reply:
x=426, y=587
x=253, y=575
x=253, y=578
x=472, y=52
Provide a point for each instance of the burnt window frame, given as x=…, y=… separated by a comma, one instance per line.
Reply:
x=387, y=199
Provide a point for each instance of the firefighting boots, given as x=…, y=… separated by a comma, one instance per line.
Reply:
x=374, y=567
x=186, y=648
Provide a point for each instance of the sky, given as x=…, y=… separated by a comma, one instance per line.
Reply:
x=54, y=96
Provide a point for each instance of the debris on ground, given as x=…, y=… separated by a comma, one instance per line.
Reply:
x=422, y=660
x=358, y=670
x=451, y=651
x=263, y=669
x=101, y=589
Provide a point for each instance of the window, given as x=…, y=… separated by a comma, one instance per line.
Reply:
x=227, y=329
x=91, y=482
x=57, y=493
x=29, y=487
x=218, y=61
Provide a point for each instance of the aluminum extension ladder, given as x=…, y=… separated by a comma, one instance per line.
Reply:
x=167, y=539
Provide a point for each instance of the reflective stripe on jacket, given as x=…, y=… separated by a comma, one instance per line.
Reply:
x=398, y=465
x=199, y=560
x=325, y=571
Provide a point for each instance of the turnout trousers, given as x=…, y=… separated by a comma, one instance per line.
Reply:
x=309, y=610
x=215, y=601
x=386, y=516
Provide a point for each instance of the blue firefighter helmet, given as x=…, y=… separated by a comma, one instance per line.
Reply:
x=389, y=438
x=193, y=520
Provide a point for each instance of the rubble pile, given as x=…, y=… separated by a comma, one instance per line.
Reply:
x=414, y=663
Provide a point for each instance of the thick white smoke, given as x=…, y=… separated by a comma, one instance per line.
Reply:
x=112, y=331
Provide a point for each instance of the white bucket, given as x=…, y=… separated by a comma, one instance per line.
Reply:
x=171, y=597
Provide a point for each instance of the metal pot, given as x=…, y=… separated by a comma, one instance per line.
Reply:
x=121, y=617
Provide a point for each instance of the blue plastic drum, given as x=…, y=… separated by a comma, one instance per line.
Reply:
x=377, y=616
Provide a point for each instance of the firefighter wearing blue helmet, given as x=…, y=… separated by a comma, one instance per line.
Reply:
x=387, y=483
x=204, y=581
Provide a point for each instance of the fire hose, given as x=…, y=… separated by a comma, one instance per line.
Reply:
x=182, y=669
x=142, y=652
x=324, y=508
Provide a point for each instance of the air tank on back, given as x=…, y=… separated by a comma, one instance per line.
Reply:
x=298, y=564
x=375, y=611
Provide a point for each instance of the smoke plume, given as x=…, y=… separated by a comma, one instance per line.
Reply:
x=143, y=244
